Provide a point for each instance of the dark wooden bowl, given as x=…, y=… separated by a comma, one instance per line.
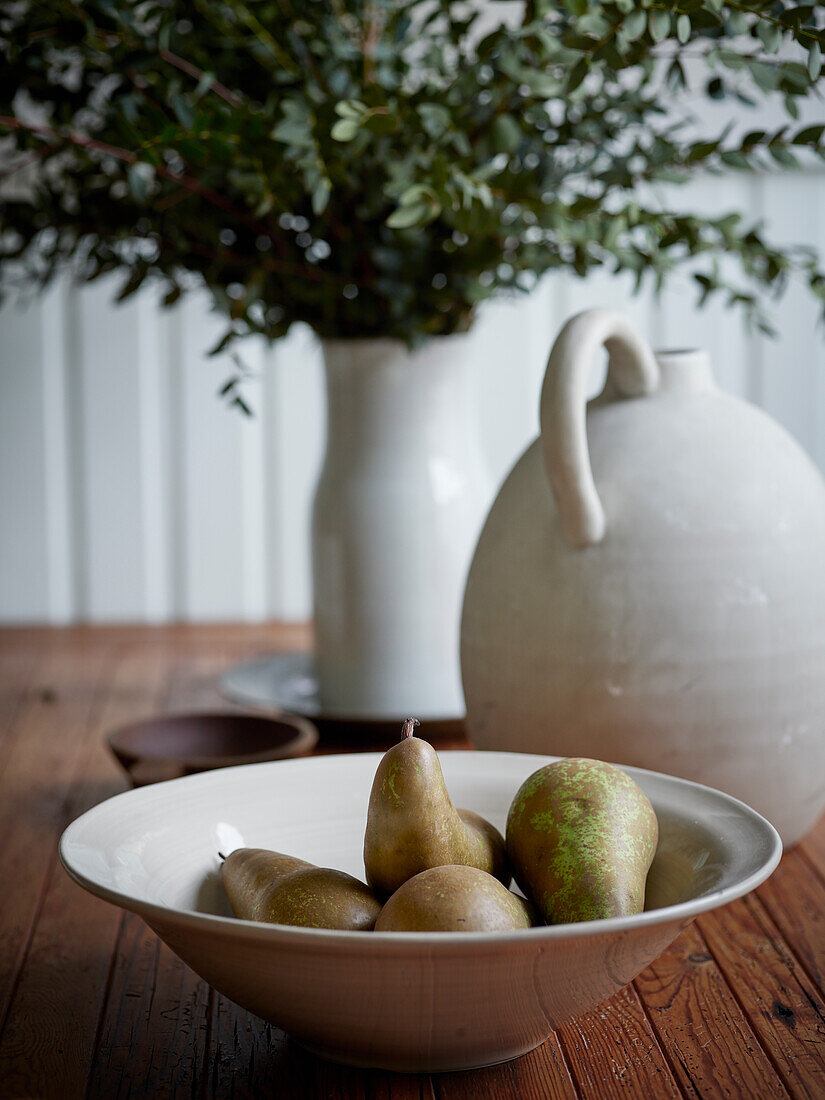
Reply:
x=172, y=745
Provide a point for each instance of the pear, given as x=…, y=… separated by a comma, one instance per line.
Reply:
x=581, y=836
x=412, y=824
x=455, y=899
x=268, y=886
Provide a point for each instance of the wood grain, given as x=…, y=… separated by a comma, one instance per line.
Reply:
x=598, y=1046
x=784, y=1007
x=708, y=1041
x=92, y=1005
x=74, y=935
x=794, y=896
x=543, y=1072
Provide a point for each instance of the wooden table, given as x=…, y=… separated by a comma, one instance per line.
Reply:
x=92, y=1004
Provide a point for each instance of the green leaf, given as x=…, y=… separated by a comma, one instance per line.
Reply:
x=815, y=61
x=770, y=35
x=435, y=118
x=635, y=25
x=320, y=196
x=683, y=28
x=141, y=176
x=378, y=121
x=783, y=156
x=419, y=213
x=345, y=129
x=659, y=23
x=292, y=132
x=577, y=75
x=183, y=112
x=350, y=108
x=505, y=134
x=133, y=283
x=811, y=135
x=416, y=194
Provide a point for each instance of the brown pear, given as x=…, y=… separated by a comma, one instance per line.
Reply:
x=455, y=899
x=412, y=824
x=278, y=889
x=581, y=836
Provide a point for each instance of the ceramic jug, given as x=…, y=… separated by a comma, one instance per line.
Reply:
x=649, y=585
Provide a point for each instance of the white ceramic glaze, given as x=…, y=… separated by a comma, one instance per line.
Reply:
x=410, y=1001
x=399, y=504
x=649, y=584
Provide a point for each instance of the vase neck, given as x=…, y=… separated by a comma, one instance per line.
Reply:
x=381, y=394
x=685, y=370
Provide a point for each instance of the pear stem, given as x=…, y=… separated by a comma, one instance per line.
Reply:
x=408, y=727
x=222, y=855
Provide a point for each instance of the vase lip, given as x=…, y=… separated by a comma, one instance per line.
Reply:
x=388, y=341
x=684, y=368
x=679, y=353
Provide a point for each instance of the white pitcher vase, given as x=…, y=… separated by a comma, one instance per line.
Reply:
x=649, y=587
x=401, y=497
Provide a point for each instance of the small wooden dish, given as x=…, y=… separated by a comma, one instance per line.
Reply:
x=172, y=745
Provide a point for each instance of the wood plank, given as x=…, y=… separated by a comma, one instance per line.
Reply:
x=700, y=1025
x=47, y=744
x=814, y=846
x=794, y=896
x=401, y=1086
x=248, y=1057
x=612, y=1051
x=52, y=1021
x=154, y=1023
x=782, y=1004
x=543, y=1074
x=19, y=667
x=164, y=1032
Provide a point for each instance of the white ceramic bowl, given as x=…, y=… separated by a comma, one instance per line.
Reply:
x=403, y=1001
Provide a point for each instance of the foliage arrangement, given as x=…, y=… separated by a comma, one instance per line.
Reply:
x=376, y=167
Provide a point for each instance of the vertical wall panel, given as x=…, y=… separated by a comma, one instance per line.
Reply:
x=58, y=443
x=24, y=564
x=154, y=389
x=128, y=489
x=294, y=413
x=791, y=366
x=503, y=380
x=111, y=340
x=213, y=468
x=714, y=326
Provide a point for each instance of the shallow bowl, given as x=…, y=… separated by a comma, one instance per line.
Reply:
x=400, y=1001
x=169, y=746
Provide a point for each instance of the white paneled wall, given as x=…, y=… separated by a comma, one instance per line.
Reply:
x=130, y=491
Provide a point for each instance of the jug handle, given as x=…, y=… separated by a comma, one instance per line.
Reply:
x=632, y=372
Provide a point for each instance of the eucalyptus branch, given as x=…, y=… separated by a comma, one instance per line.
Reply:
x=198, y=74
x=380, y=169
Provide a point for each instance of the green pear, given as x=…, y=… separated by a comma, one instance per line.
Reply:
x=268, y=886
x=581, y=836
x=412, y=824
x=455, y=899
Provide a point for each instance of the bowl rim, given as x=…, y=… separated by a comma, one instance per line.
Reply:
x=320, y=938
x=304, y=738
